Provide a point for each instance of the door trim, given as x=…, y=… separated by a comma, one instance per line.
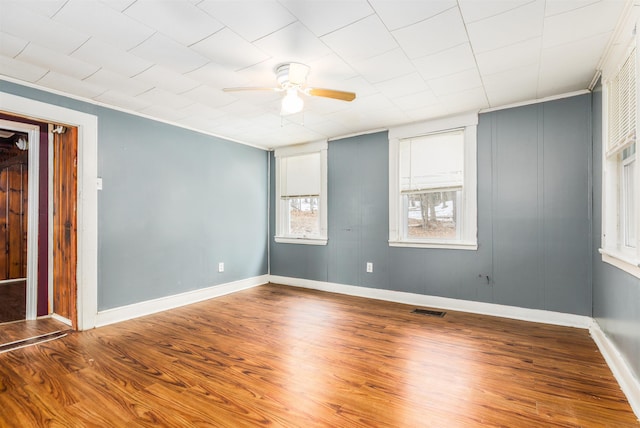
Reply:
x=87, y=193
x=33, y=131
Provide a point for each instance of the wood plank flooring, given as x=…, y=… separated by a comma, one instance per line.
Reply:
x=289, y=357
x=27, y=329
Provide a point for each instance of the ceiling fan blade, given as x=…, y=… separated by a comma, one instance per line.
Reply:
x=250, y=88
x=331, y=93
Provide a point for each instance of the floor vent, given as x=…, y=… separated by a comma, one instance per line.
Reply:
x=429, y=312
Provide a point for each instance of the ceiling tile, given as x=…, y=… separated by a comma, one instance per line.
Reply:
x=251, y=19
x=164, y=51
x=363, y=39
x=63, y=64
x=70, y=85
x=512, y=86
x=324, y=17
x=122, y=101
x=11, y=46
x=23, y=23
x=220, y=77
x=108, y=79
x=326, y=127
x=21, y=70
x=562, y=6
x=474, y=10
x=162, y=112
x=163, y=15
x=162, y=77
x=200, y=122
x=360, y=86
x=330, y=70
x=520, y=24
x=97, y=19
x=454, y=83
x=401, y=86
x=565, y=27
x=398, y=14
x=415, y=100
x=389, y=65
x=449, y=61
x=293, y=43
x=202, y=110
x=432, y=35
x=583, y=55
x=158, y=96
x=118, y=5
x=44, y=7
x=210, y=97
x=509, y=57
x=472, y=99
x=110, y=57
x=226, y=47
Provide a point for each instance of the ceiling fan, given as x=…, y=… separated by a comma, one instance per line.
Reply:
x=292, y=78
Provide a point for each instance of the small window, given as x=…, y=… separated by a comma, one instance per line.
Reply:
x=620, y=188
x=432, y=179
x=301, y=208
x=431, y=184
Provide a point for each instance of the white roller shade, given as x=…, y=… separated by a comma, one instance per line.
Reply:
x=300, y=175
x=432, y=162
x=622, y=106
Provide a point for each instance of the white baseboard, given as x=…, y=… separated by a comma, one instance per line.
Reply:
x=493, y=309
x=148, y=307
x=621, y=370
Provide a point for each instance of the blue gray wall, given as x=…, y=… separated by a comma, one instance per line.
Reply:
x=174, y=204
x=616, y=294
x=533, y=217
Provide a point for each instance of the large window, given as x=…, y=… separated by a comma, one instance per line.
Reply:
x=432, y=197
x=620, y=188
x=301, y=197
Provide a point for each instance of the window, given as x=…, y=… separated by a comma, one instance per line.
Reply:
x=301, y=196
x=432, y=178
x=620, y=191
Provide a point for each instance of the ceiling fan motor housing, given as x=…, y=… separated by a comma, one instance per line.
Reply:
x=290, y=75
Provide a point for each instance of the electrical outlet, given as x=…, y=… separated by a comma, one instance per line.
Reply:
x=369, y=267
x=221, y=267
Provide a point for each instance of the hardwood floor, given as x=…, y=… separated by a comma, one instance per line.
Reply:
x=18, y=331
x=282, y=356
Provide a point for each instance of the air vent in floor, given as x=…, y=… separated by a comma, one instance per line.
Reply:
x=429, y=312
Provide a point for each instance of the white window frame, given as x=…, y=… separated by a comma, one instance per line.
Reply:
x=614, y=249
x=282, y=235
x=469, y=225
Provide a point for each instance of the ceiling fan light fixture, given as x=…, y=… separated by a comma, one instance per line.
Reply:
x=292, y=103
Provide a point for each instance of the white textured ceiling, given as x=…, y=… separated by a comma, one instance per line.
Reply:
x=406, y=60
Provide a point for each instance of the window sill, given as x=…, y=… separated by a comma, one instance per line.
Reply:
x=305, y=241
x=621, y=261
x=456, y=245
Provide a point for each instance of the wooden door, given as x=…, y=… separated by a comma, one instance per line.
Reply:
x=13, y=237
x=13, y=218
x=65, y=161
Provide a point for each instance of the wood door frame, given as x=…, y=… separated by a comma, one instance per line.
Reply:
x=33, y=131
x=87, y=193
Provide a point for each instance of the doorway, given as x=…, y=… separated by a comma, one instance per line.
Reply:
x=29, y=254
x=19, y=217
x=87, y=194
x=14, y=173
